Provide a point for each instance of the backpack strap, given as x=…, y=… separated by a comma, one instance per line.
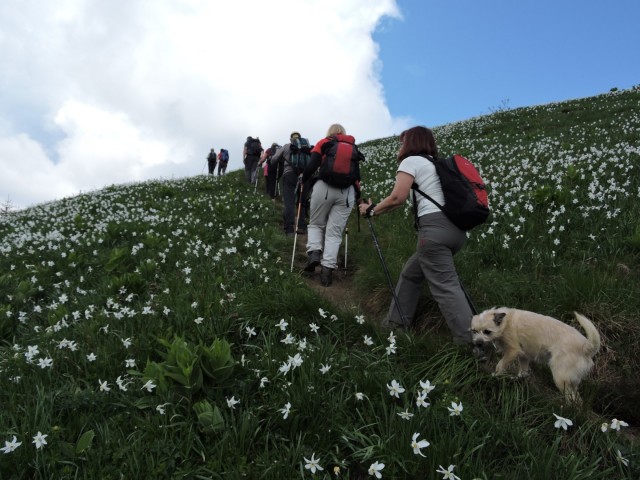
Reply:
x=415, y=189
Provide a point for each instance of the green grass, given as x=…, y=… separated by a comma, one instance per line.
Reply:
x=186, y=284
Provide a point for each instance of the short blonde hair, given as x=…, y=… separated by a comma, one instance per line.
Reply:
x=336, y=129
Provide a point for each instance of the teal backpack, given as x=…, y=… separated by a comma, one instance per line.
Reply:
x=300, y=154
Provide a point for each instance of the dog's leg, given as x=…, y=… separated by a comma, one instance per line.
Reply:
x=524, y=367
x=509, y=356
x=565, y=384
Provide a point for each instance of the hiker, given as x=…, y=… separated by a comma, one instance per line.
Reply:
x=271, y=171
x=333, y=196
x=223, y=161
x=211, y=161
x=292, y=184
x=438, y=239
x=251, y=154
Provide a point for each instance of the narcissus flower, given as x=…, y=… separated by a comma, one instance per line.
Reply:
x=39, y=440
x=418, y=445
x=375, y=469
x=562, y=422
x=312, y=464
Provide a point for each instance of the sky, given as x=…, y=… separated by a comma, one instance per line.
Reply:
x=96, y=93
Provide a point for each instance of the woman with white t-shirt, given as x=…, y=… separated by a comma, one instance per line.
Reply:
x=438, y=239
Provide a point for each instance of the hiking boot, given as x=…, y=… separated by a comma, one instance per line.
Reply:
x=314, y=260
x=325, y=276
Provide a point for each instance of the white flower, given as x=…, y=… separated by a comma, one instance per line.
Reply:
x=45, y=362
x=232, y=402
x=395, y=389
x=198, y=320
x=448, y=473
x=406, y=415
x=285, y=411
x=426, y=386
x=455, y=409
x=312, y=464
x=359, y=396
x=149, y=386
x=325, y=368
x=360, y=319
x=91, y=357
x=104, y=386
x=160, y=408
x=619, y=457
x=562, y=422
x=418, y=445
x=391, y=349
x=314, y=328
x=604, y=427
x=375, y=469
x=39, y=440
x=421, y=401
x=285, y=367
x=322, y=313
x=130, y=363
x=367, y=340
x=263, y=382
x=251, y=332
x=126, y=343
x=616, y=424
x=10, y=446
x=282, y=324
x=288, y=340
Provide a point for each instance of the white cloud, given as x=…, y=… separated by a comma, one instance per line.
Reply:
x=94, y=93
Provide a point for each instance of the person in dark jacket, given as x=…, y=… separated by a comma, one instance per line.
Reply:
x=251, y=154
x=211, y=161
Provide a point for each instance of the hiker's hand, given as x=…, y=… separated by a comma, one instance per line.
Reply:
x=364, y=204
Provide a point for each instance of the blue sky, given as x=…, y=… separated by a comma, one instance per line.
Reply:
x=446, y=61
x=94, y=93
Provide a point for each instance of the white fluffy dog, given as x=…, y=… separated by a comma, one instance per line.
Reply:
x=529, y=336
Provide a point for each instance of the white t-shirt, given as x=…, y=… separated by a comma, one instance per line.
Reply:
x=424, y=173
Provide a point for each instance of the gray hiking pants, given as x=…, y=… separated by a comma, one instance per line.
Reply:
x=438, y=241
x=330, y=209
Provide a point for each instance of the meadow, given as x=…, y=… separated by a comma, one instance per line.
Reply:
x=154, y=330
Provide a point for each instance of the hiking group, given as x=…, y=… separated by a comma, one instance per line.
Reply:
x=221, y=159
x=322, y=182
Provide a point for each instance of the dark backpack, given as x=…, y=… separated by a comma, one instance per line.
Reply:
x=466, y=202
x=254, y=147
x=300, y=154
x=340, y=166
x=224, y=155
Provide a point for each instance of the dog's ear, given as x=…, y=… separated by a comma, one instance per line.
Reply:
x=498, y=318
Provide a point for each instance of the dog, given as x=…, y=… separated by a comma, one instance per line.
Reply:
x=532, y=337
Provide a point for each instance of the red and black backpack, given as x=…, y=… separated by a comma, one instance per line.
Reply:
x=466, y=202
x=340, y=166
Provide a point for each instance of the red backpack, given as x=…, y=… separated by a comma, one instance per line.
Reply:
x=466, y=202
x=341, y=159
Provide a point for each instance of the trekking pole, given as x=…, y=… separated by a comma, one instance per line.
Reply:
x=278, y=180
x=346, y=248
x=295, y=238
x=255, y=187
x=386, y=272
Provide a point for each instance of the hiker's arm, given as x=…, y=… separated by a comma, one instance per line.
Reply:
x=276, y=156
x=313, y=165
x=396, y=198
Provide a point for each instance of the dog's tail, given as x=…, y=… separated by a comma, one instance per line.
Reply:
x=592, y=334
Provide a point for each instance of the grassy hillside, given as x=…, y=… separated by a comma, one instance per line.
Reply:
x=154, y=330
